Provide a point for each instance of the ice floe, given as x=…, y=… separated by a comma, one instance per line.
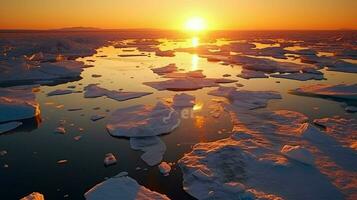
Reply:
x=122, y=186
x=143, y=121
x=244, y=99
x=20, y=72
x=153, y=148
x=342, y=91
x=248, y=74
x=166, y=69
x=299, y=76
x=60, y=92
x=5, y=127
x=93, y=91
x=17, y=103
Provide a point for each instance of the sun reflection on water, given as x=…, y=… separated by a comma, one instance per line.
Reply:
x=194, y=61
x=195, y=41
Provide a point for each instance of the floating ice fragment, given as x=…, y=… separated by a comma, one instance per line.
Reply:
x=153, y=148
x=143, y=121
x=109, y=159
x=166, y=69
x=248, y=74
x=59, y=92
x=164, y=168
x=93, y=91
x=96, y=117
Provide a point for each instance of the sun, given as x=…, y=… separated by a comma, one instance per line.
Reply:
x=195, y=24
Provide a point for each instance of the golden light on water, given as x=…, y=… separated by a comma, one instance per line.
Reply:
x=196, y=24
x=198, y=106
x=194, y=62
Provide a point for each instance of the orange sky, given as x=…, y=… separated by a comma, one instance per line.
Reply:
x=172, y=14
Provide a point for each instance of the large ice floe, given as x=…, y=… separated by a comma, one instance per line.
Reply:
x=341, y=91
x=122, y=186
x=245, y=99
x=19, y=71
x=93, y=91
x=17, y=103
x=271, y=155
x=142, y=124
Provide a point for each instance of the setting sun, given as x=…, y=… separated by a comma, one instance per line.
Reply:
x=196, y=24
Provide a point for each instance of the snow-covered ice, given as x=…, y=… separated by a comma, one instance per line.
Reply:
x=298, y=153
x=122, y=186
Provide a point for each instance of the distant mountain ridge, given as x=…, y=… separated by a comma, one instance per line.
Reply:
x=79, y=28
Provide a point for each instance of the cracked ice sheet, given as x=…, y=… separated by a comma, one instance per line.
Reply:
x=250, y=164
x=123, y=187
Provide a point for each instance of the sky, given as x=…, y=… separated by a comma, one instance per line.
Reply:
x=172, y=14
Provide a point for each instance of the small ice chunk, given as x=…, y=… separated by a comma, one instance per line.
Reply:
x=96, y=75
x=59, y=92
x=248, y=74
x=9, y=126
x=164, y=168
x=298, y=153
x=60, y=130
x=34, y=196
x=96, y=117
x=166, y=69
x=109, y=159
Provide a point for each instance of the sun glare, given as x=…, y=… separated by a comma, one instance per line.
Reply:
x=196, y=24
